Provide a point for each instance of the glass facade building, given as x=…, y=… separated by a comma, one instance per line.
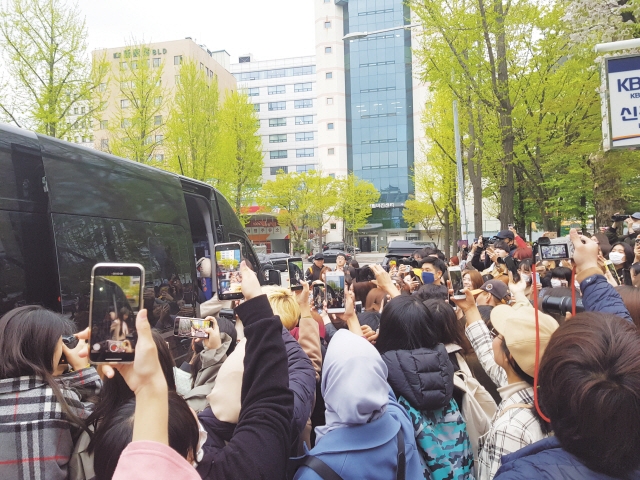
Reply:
x=379, y=103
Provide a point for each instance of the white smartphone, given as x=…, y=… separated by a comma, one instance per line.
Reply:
x=455, y=275
x=335, y=292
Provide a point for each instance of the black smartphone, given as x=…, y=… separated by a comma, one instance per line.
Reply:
x=364, y=274
x=358, y=307
x=513, y=268
x=455, y=275
x=335, y=293
x=71, y=342
x=318, y=296
x=228, y=276
x=191, y=327
x=116, y=297
x=296, y=273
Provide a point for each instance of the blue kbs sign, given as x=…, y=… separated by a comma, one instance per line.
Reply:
x=623, y=78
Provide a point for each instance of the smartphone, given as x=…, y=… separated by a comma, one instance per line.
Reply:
x=612, y=269
x=335, y=293
x=227, y=313
x=116, y=297
x=358, y=307
x=365, y=274
x=228, y=258
x=455, y=275
x=191, y=327
x=296, y=273
x=538, y=279
x=318, y=296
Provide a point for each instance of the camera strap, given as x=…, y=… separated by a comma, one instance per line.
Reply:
x=537, y=362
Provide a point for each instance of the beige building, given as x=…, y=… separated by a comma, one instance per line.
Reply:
x=170, y=55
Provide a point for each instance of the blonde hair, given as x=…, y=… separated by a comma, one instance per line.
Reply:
x=284, y=305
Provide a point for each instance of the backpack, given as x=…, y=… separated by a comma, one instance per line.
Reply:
x=478, y=407
x=325, y=472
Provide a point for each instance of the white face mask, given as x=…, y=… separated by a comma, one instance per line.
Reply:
x=617, y=258
x=556, y=282
x=636, y=227
x=526, y=277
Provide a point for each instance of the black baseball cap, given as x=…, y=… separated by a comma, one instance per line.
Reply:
x=505, y=234
x=319, y=256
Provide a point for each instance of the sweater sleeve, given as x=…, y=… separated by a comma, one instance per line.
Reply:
x=152, y=460
x=260, y=443
x=599, y=296
x=309, y=339
x=480, y=338
x=520, y=241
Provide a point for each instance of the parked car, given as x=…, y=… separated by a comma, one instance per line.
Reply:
x=279, y=260
x=340, y=246
x=331, y=254
x=404, y=248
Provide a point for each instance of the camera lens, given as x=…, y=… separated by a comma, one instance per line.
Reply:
x=560, y=305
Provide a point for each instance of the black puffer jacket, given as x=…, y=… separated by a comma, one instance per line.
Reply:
x=423, y=376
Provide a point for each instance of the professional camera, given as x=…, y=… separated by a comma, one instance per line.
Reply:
x=491, y=240
x=619, y=218
x=560, y=305
x=554, y=248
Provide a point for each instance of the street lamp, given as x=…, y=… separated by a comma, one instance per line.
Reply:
x=359, y=35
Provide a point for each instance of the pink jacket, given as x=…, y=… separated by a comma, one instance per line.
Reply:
x=142, y=460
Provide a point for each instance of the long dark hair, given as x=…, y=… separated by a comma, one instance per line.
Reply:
x=405, y=324
x=29, y=337
x=447, y=324
x=116, y=432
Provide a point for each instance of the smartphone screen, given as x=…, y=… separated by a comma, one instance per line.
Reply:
x=116, y=298
x=191, y=327
x=335, y=293
x=296, y=273
x=318, y=296
x=455, y=275
x=228, y=258
x=557, y=251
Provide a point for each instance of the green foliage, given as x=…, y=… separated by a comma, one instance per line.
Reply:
x=239, y=160
x=48, y=71
x=354, y=199
x=192, y=128
x=135, y=130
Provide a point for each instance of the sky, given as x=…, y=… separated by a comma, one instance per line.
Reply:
x=267, y=29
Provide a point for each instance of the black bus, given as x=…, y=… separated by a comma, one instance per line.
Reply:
x=64, y=208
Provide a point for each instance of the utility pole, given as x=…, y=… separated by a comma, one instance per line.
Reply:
x=461, y=195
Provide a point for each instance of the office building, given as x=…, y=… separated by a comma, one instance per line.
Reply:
x=169, y=55
x=369, y=105
x=284, y=95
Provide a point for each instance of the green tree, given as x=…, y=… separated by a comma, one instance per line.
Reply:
x=192, y=127
x=44, y=49
x=420, y=213
x=136, y=128
x=239, y=162
x=354, y=200
x=320, y=200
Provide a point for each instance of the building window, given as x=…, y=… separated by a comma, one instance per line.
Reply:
x=327, y=24
x=159, y=157
x=159, y=139
x=332, y=175
x=305, y=168
x=124, y=103
x=177, y=77
x=279, y=138
x=123, y=65
x=256, y=107
x=134, y=65
x=156, y=62
x=104, y=143
x=307, y=103
x=157, y=101
x=254, y=92
x=104, y=124
x=304, y=136
x=159, y=82
x=329, y=100
x=277, y=89
x=125, y=123
x=304, y=152
x=277, y=106
x=102, y=87
x=277, y=170
x=333, y=226
x=75, y=110
x=327, y=1
x=327, y=49
x=278, y=154
x=329, y=126
x=177, y=60
x=277, y=122
x=304, y=120
x=302, y=87
x=331, y=151
x=157, y=120
x=328, y=75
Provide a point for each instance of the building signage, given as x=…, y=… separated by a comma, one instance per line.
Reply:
x=136, y=52
x=623, y=87
x=387, y=205
x=262, y=230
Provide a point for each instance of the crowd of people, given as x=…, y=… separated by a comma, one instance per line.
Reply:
x=424, y=383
